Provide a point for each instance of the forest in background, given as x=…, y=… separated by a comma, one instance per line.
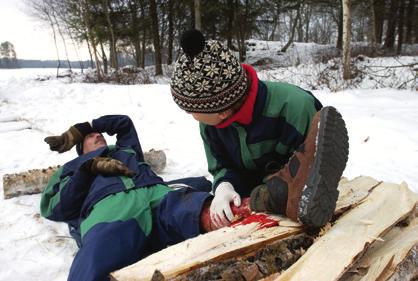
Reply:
x=117, y=30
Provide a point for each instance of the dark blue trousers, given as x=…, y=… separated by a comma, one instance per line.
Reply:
x=109, y=246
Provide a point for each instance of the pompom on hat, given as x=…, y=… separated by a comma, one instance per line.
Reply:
x=207, y=78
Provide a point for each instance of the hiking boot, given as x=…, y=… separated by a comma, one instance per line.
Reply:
x=305, y=189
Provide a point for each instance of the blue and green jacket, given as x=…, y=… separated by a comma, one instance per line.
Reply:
x=243, y=154
x=71, y=193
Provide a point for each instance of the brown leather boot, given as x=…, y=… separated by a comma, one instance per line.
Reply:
x=305, y=189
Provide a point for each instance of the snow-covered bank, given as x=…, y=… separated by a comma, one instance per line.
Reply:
x=382, y=128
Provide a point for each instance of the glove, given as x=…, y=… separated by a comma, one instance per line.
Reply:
x=220, y=210
x=69, y=138
x=106, y=166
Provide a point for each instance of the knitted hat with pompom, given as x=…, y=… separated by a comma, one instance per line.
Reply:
x=207, y=78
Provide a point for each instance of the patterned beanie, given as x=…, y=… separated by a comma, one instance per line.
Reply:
x=207, y=78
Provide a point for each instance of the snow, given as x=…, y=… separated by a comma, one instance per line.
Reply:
x=382, y=128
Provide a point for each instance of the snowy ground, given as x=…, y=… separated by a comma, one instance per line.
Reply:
x=383, y=144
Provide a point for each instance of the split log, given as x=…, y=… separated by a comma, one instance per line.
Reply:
x=394, y=258
x=336, y=251
x=212, y=252
x=266, y=260
x=34, y=181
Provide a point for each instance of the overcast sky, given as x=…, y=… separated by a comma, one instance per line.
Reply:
x=31, y=38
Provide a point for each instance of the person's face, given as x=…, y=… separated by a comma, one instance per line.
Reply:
x=211, y=119
x=92, y=142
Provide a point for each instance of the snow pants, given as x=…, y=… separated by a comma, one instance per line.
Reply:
x=124, y=227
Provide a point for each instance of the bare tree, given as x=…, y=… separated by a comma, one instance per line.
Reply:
x=293, y=31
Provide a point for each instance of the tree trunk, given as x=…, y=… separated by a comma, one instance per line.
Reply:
x=307, y=22
x=170, y=31
x=379, y=12
x=347, y=38
x=144, y=34
x=104, y=59
x=55, y=40
x=89, y=49
x=90, y=37
x=410, y=19
x=241, y=20
x=230, y=23
x=155, y=37
x=62, y=38
x=197, y=16
x=292, y=34
x=390, y=32
x=113, y=53
x=372, y=26
x=400, y=26
x=276, y=20
x=340, y=25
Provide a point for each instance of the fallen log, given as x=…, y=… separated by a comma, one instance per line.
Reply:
x=34, y=181
x=228, y=248
x=335, y=252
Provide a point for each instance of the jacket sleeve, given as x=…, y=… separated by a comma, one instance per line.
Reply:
x=122, y=126
x=64, y=195
x=218, y=164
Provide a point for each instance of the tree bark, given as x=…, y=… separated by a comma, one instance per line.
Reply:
x=347, y=38
x=156, y=37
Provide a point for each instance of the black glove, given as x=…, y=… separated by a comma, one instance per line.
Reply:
x=106, y=166
x=69, y=138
